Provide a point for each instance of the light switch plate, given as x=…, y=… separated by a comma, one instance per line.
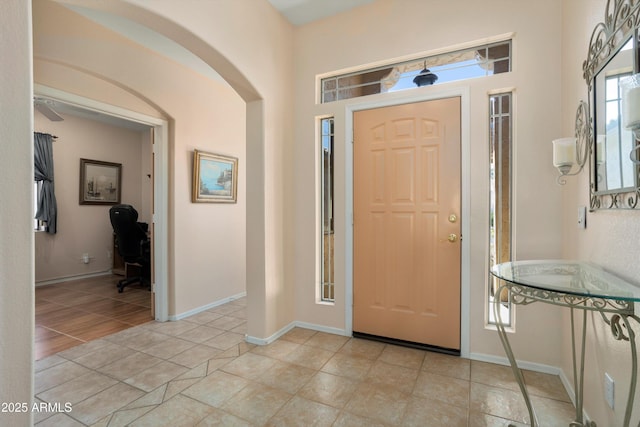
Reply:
x=582, y=217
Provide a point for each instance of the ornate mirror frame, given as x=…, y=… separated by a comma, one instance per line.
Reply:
x=621, y=21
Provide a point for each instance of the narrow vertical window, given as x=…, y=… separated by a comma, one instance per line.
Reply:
x=326, y=182
x=500, y=148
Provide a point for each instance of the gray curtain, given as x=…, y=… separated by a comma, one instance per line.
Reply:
x=43, y=171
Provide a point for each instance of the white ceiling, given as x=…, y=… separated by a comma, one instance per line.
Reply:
x=300, y=12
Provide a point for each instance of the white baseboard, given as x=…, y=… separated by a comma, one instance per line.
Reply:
x=536, y=367
x=71, y=278
x=206, y=307
x=568, y=385
x=272, y=338
x=530, y=366
x=282, y=331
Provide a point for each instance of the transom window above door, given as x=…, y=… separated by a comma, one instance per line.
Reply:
x=474, y=62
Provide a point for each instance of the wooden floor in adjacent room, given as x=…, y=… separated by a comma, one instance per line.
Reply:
x=75, y=312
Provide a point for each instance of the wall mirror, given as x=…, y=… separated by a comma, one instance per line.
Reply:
x=612, y=57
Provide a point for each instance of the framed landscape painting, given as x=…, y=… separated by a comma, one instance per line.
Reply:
x=215, y=178
x=100, y=182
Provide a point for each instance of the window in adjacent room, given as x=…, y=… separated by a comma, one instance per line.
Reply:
x=38, y=225
x=500, y=152
x=326, y=191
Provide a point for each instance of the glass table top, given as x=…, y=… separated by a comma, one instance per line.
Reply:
x=570, y=277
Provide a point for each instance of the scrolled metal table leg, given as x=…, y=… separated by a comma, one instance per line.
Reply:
x=618, y=332
x=502, y=333
x=578, y=377
x=634, y=370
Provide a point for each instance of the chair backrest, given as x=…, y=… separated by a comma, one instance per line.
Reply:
x=129, y=234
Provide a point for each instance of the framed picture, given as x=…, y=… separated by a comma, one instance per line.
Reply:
x=215, y=178
x=100, y=182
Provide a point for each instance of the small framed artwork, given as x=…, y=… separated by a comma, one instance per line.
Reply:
x=100, y=182
x=215, y=178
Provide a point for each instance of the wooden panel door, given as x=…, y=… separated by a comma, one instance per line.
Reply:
x=407, y=222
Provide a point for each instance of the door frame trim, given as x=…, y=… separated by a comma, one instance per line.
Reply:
x=430, y=94
x=160, y=148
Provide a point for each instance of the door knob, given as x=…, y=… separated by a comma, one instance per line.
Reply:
x=453, y=218
x=453, y=238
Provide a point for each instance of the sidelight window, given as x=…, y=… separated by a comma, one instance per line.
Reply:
x=500, y=156
x=327, y=281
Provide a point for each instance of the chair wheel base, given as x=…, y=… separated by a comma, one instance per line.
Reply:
x=126, y=282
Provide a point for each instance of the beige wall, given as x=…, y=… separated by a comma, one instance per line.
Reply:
x=249, y=44
x=253, y=48
x=246, y=42
x=206, y=241
x=384, y=30
x=86, y=228
x=16, y=226
x=610, y=238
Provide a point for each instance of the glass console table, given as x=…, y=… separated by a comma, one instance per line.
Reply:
x=578, y=286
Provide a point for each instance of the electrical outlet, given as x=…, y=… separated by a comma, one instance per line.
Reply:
x=609, y=390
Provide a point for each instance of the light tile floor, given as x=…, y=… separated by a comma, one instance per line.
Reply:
x=200, y=372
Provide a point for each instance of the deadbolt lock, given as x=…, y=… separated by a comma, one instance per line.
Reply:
x=453, y=238
x=453, y=218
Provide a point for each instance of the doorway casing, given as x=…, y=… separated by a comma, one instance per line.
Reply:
x=160, y=181
x=429, y=95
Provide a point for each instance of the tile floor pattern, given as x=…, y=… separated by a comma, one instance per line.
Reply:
x=200, y=372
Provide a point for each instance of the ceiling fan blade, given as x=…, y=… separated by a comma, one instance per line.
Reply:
x=48, y=112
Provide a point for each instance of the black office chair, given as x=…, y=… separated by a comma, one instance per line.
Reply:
x=132, y=242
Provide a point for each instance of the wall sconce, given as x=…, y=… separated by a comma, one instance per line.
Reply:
x=630, y=91
x=572, y=151
x=564, y=157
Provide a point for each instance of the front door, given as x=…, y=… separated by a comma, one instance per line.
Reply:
x=407, y=222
